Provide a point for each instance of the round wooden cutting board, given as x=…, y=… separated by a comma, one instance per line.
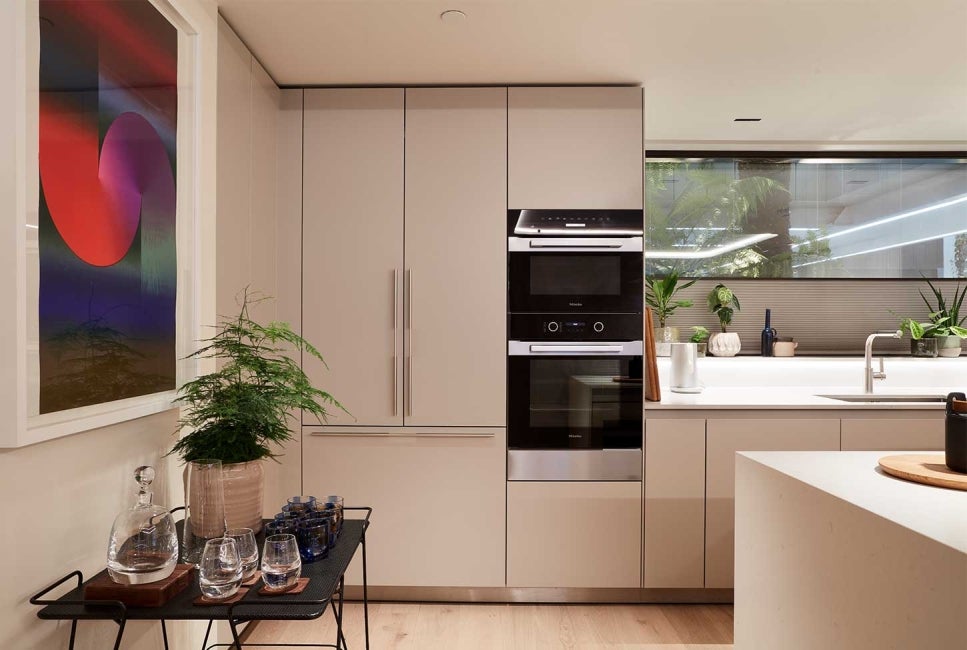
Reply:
x=924, y=468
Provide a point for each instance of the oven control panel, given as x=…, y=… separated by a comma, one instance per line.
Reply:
x=575, y=327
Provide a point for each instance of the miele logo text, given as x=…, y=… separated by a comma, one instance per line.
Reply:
x=575, y=304
x=574, y=435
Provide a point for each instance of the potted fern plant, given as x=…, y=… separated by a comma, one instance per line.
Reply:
x=239, y=412
x=660, y=296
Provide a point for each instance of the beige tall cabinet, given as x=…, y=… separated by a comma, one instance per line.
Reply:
x=352, y=250
x=404, y=282
x=404, y=265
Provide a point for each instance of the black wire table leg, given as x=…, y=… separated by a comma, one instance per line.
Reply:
x=117, y=641
x=73, y=633
x=237, y=643
x=164, y=633
x=208, y=630
x=365, y=591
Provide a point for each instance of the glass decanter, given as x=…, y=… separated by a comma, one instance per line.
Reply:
x=144, y=543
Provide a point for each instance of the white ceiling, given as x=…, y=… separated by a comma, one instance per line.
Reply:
x=859, y=73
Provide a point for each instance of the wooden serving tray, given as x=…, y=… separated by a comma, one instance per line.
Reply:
x=152, y=594
x=930, y=469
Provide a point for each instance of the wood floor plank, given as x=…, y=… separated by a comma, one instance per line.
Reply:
x=458, y=626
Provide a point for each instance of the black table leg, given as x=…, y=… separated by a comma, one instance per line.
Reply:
x=73, y=633
x=117, y=641
x=164, y=633
x=208, y=630
x=365, y=592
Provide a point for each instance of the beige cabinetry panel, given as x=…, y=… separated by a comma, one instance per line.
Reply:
x=437, y=496
x=674, y=553
x=893, y=434
x=573, y=534
x=723, y=439
x=352, y=256
x=575, y=148
x=455, y=256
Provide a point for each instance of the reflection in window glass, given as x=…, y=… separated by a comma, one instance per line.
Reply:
x=806, y=217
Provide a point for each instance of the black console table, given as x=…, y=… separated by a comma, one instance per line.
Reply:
x=324, y=591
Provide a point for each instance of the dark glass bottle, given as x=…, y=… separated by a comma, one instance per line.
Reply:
x=768, y=336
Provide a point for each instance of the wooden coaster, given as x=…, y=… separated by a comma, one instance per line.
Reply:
x=239, y=595
x=930, y=469
x=299, y=586
x=959, y=405
x=251, y=581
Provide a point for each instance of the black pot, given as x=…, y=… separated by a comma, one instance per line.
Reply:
x=956, y=430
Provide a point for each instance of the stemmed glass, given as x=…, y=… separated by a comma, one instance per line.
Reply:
x=248, y=550
x=220, y=572
x=281, y=564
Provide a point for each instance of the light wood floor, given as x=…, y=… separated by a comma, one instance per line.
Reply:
x=450, y=626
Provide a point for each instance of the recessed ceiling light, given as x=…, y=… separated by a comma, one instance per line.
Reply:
x=453, y=16
x=747, y=119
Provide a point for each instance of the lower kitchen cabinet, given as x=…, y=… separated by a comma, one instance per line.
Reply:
x=438, y=498
x=674, y=503
x=892, y=433
x=725, y=437
x=573, y=534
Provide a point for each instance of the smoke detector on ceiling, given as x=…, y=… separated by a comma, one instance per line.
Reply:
x=453, y=17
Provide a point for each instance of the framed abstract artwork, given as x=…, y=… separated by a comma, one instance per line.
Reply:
x=108, y=203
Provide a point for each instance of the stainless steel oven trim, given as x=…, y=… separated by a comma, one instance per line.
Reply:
x=575, y=244
x=574, y=465
x=575, y=348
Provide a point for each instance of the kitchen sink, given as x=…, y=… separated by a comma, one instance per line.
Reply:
x=897, y=399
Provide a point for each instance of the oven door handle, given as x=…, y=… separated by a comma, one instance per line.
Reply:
x=530, y=348
x=572, y=349
x=574, y=244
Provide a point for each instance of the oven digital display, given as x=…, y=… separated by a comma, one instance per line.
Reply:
x=575, y=275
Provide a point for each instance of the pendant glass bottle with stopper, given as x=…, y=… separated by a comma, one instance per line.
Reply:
x=144, y=543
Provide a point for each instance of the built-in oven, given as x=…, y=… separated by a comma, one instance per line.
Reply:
x=575, y=261
x=574, y=397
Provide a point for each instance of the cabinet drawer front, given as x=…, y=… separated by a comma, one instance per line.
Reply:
x=913, y=434
x=438, y=502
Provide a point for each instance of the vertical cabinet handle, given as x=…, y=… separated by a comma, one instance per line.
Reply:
x=396, y=328
x=408, y=381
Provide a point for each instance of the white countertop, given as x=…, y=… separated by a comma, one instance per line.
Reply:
x=937, y=513
x=798, y=382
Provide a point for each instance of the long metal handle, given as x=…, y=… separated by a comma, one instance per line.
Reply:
x=396, y=330
x=376, y=434
x=408, y=381
x=571, y=349
x=574, y=244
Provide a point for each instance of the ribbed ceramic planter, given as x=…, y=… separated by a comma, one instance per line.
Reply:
x=724, y=344
x=244, y=484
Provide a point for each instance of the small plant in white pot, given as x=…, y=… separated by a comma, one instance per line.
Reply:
x=236, y=413
x=659, y=295
x=945, y=323
x=724, y=303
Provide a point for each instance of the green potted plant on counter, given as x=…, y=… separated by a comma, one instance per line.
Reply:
x=660, y=296
x=700, y=336
x=943, y=332
x=238, y=412
x=723, y=302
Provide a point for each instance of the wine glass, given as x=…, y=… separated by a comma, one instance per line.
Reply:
x=281, y=564
x=220, y=572
x=248, y=550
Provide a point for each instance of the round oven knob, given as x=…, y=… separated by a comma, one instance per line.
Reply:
x=598, y=326
x=553, y=326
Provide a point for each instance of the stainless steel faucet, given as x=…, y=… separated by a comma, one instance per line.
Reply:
x=869, y=375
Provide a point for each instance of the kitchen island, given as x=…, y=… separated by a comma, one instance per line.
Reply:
x=832, y=553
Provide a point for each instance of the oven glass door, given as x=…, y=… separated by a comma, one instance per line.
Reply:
x=565, y=401
x=573, y=281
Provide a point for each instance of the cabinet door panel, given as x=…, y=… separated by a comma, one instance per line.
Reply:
x=573, y=534
x=352, y=247
x=894, y=434
x=455, y=256
x=438, y=502
x=574, y=148
x=726, y=437
x=674, y=503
